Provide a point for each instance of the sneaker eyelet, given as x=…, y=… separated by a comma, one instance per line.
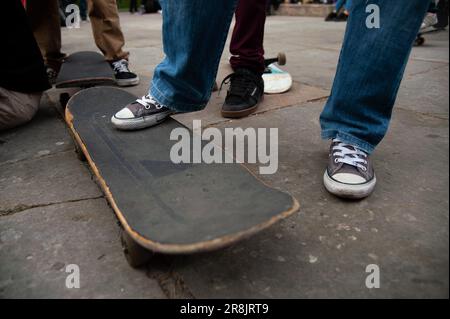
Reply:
x=336, y=160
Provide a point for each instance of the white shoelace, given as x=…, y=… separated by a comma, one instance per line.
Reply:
x=349, y=154
x=147, y=100
x=121, y=66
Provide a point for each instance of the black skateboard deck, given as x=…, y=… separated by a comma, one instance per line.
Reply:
x=165, y=207
x=85, y=69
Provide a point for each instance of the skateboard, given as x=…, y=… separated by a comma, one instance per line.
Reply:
x=83, y=70
x=420, y=39
x=276, y=80
x=164, y=207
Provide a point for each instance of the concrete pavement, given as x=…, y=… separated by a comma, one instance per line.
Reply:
x=52, y=213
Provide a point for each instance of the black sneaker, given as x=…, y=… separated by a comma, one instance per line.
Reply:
x=142, y=113
x=245, y=92
x=341, y=17
x=123, y=75
x=350, y=172
x=331, y=16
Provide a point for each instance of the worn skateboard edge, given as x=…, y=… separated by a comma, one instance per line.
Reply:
x=203, y=246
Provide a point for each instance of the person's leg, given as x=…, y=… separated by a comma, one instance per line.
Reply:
x=109, y=38
x=247, y=60
x=23, y=77
x=17, y=108
x=83, y=10
x=45, y=22
x=108, y=35
x=246, y=47
x=194, y=35
x=343, y=15
x=442, y=14
x=368, y=76
x=337, y=7
x=348, y=5
x=133, y=6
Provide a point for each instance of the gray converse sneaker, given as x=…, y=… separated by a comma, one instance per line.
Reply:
x=349, y=173
x=142, y=113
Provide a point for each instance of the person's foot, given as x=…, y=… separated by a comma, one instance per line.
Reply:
x=245, y=92
x=331, y=16
x=142, y=113
x=123, y=75
x=343, y=16
x=429, y=21
x=349, y=173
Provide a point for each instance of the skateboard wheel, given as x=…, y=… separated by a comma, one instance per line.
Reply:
x=419, y=41
x=135, y=254
x=63, y=99
x=281, y=58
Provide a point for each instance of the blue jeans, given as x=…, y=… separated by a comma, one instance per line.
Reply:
x=347, y=4
x=367, y=79
x=194, y=35
x=370, y=68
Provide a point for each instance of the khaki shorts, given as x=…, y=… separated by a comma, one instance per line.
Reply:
x=17, y=108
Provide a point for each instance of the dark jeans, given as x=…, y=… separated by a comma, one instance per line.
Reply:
x=83, y=9
x=248, y=36
x=133, y=6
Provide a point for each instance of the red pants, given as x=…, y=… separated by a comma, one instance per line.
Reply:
x=248, y=36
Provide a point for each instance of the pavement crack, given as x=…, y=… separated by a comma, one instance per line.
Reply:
x=432, y=69
x=38, y=157
x=22, y=207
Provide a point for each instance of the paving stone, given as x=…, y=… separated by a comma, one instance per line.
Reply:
x=37, y=246
x=323, y=252
x=45, y=134
x=42, y=181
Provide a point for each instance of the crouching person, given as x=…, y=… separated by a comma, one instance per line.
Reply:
x=23, y=78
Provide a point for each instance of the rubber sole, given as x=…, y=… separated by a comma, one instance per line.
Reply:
x=139, y=123
x=239, y=114
x=352, y=191
x=127, y=82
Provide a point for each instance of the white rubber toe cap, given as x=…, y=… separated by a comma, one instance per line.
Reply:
x=348, y=178
x=124, y=114
x=348, y=190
